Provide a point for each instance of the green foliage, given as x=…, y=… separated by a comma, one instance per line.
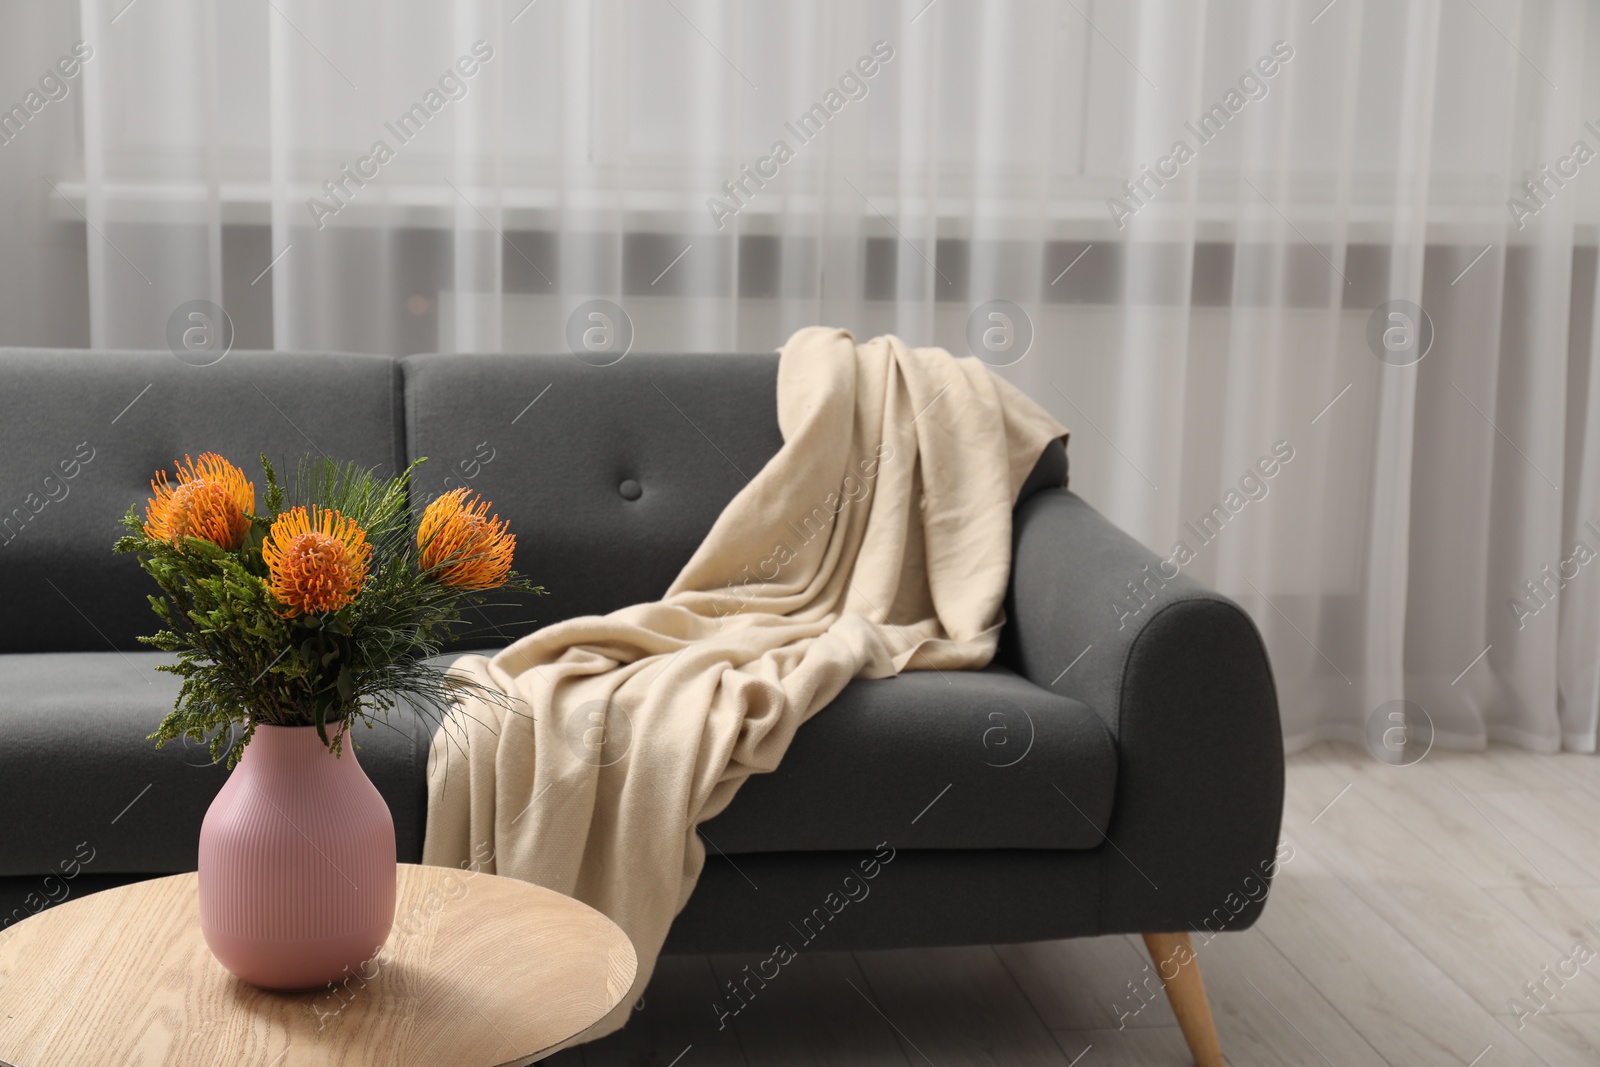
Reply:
x=245, y=664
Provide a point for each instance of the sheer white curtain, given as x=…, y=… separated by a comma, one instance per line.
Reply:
x=402, y=177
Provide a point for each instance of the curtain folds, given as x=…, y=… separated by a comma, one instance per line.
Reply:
x=1313, y=284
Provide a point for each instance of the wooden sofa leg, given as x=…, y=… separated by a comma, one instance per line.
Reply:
x=1179, y=972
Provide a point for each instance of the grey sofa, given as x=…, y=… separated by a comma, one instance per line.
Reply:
x=1118, y=769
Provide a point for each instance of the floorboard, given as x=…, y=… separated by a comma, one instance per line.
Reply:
x=801, y=1019
x=1092, y=983
x=1563, y=1040
x=1401, y=1003
x=1399, y=863
x=1267, y=1012
x=958, y=1005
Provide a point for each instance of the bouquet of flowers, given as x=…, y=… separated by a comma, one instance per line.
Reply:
x=320, y=611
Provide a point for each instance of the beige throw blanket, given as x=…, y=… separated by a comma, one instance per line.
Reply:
x=877, y=540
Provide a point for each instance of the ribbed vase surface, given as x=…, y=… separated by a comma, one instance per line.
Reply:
x=297, y=863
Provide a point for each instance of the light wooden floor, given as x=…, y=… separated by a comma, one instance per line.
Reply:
x=1419, y=901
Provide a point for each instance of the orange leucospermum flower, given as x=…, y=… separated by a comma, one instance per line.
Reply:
x=212, y=501
x=317, y=560
x=472, y=549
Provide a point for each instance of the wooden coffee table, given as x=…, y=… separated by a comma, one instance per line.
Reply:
x=479, y=971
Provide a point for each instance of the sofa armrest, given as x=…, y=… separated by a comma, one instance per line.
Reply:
x=1180, y=675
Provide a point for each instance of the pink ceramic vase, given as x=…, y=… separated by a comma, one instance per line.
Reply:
x=297, y=863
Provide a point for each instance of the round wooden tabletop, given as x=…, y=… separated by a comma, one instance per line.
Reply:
x=479, y=971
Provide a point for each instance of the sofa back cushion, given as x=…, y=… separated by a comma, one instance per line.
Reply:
x=81, y=433
x=610, y=476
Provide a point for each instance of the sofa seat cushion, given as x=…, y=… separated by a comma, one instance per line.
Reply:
x=932, y=760
x=958, y=760
x=78, y=777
